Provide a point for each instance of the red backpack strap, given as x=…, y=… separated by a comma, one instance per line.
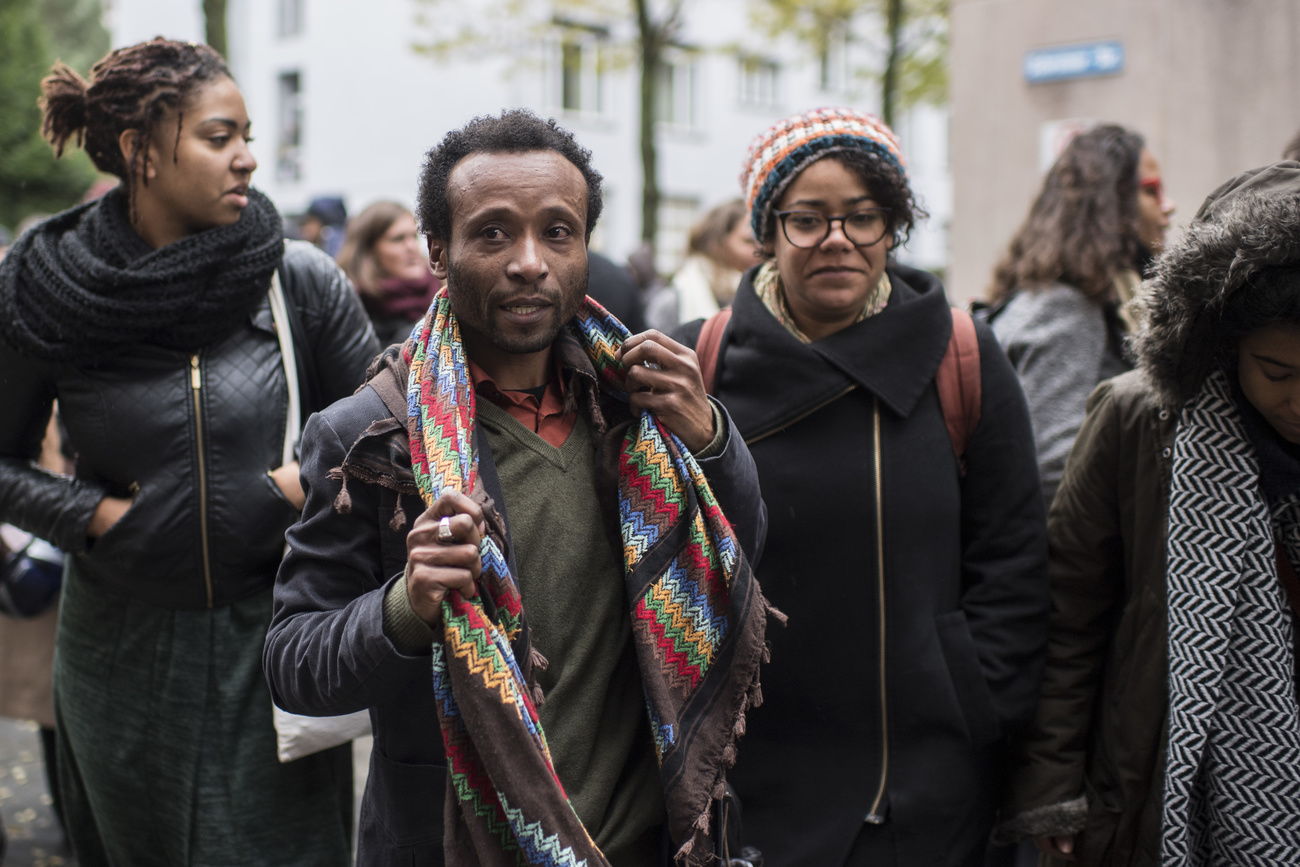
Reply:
x=958, y=384
x=710, y=341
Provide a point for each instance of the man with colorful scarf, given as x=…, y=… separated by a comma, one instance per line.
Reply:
x=514, y=551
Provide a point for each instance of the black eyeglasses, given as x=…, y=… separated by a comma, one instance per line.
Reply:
x=807, y=229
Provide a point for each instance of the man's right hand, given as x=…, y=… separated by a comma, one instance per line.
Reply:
x=434, y=566
x=1061, y=847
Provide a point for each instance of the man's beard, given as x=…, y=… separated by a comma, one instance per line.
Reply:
x=479, y=317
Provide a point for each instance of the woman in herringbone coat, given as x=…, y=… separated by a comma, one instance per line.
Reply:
x=1168, y=729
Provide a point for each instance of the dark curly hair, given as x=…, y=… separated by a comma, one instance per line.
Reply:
x=1082, y=228
x=515, y=131
x=888, y=188
x=131, y=88
x=1270, y=297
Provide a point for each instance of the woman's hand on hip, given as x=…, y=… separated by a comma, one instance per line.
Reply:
x=109, y=511
x=1061, y=846
x=287, y=479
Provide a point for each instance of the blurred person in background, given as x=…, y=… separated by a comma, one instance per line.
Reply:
x=146, y=315
x=1292, y=151
x=1167, y=728
x=614, y=287
x=324, y=224
x=384, y=258
x=721, y=247
x=912, y=567
x=1060, y=292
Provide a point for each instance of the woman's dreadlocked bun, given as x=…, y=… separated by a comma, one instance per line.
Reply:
x=63, y=99
x=131, y=88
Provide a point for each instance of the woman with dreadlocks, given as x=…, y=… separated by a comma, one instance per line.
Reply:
x=147, y=316
x=1059, y=295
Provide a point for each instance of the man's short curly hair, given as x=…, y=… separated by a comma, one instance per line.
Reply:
x=514, y=131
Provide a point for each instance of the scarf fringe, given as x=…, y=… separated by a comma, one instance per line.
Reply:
x=752, y=697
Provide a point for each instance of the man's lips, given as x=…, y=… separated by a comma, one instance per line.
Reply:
x=526, y=309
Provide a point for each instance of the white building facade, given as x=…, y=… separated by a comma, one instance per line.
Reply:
x=342, y=103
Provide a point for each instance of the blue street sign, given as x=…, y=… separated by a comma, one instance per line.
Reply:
x=1074, y=61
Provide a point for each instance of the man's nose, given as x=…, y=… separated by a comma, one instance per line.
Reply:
x=528, y=263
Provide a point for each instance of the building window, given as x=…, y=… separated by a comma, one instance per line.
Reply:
x=677, y=75
x=580, y=84
x=758, y=82
x=288, y=164
x=676, y=216
x=290, y=17
x=832, y=64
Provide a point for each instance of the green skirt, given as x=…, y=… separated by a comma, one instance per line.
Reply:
x=167, y=751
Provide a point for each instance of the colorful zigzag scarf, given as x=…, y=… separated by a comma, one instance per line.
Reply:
x=698, y=623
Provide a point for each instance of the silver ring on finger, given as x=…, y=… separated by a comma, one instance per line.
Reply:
x=445, y=535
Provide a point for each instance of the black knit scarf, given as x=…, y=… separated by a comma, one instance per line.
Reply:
x=83, y=286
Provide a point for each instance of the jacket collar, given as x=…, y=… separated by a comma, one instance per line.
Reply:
x=769, y=378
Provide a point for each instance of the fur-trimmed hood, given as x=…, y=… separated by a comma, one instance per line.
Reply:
x=1249, y=224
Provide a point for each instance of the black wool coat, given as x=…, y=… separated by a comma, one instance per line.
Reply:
x=889, y=695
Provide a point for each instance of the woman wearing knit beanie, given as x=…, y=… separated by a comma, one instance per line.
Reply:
x=911, y=561
x=147, y=315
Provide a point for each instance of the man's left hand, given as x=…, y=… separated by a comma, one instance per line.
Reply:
x=671, y=388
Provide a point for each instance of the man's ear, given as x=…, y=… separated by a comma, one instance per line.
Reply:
x=438, y=258
x=126, y=142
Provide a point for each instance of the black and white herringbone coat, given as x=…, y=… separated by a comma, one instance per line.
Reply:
x=1232, y=785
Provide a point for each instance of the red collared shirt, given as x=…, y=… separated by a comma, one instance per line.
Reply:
x=545, y=417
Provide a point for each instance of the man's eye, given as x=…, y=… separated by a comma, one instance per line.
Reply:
x=559, y=232
x=493, y=233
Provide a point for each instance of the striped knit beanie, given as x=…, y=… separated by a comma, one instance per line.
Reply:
x=779, y=154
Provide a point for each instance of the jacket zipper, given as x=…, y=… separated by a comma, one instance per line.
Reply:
x=196, y=386
x=875, y=817
x=803, y=415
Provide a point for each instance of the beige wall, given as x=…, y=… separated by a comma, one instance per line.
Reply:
x=1213, y=86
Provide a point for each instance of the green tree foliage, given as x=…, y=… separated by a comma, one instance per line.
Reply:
x=510, y=27
x=76, y=31
x=214, y=25
x=913, y=41
x=31, y=179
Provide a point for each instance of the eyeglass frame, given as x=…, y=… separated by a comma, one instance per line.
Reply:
x=830, y=225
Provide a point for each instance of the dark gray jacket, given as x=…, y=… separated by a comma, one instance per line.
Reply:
x=191, y=437
x=326, y=651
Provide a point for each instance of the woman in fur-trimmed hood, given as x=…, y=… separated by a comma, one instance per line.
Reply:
x=1168, y=728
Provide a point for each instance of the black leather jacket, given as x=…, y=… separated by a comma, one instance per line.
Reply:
x=192, y=437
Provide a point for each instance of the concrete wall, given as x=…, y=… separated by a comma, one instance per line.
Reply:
x=1213, y=85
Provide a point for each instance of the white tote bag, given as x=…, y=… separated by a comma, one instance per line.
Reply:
x=298, y=736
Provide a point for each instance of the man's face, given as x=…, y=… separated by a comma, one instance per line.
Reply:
x=516, y=262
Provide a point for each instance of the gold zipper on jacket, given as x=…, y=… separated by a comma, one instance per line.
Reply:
x=803, y=415
x=196, y=386
x=875, y=817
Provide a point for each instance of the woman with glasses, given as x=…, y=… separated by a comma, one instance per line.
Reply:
x=914, y=581
x=1059, y=296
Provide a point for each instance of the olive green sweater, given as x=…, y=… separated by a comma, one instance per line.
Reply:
x=571, y=580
